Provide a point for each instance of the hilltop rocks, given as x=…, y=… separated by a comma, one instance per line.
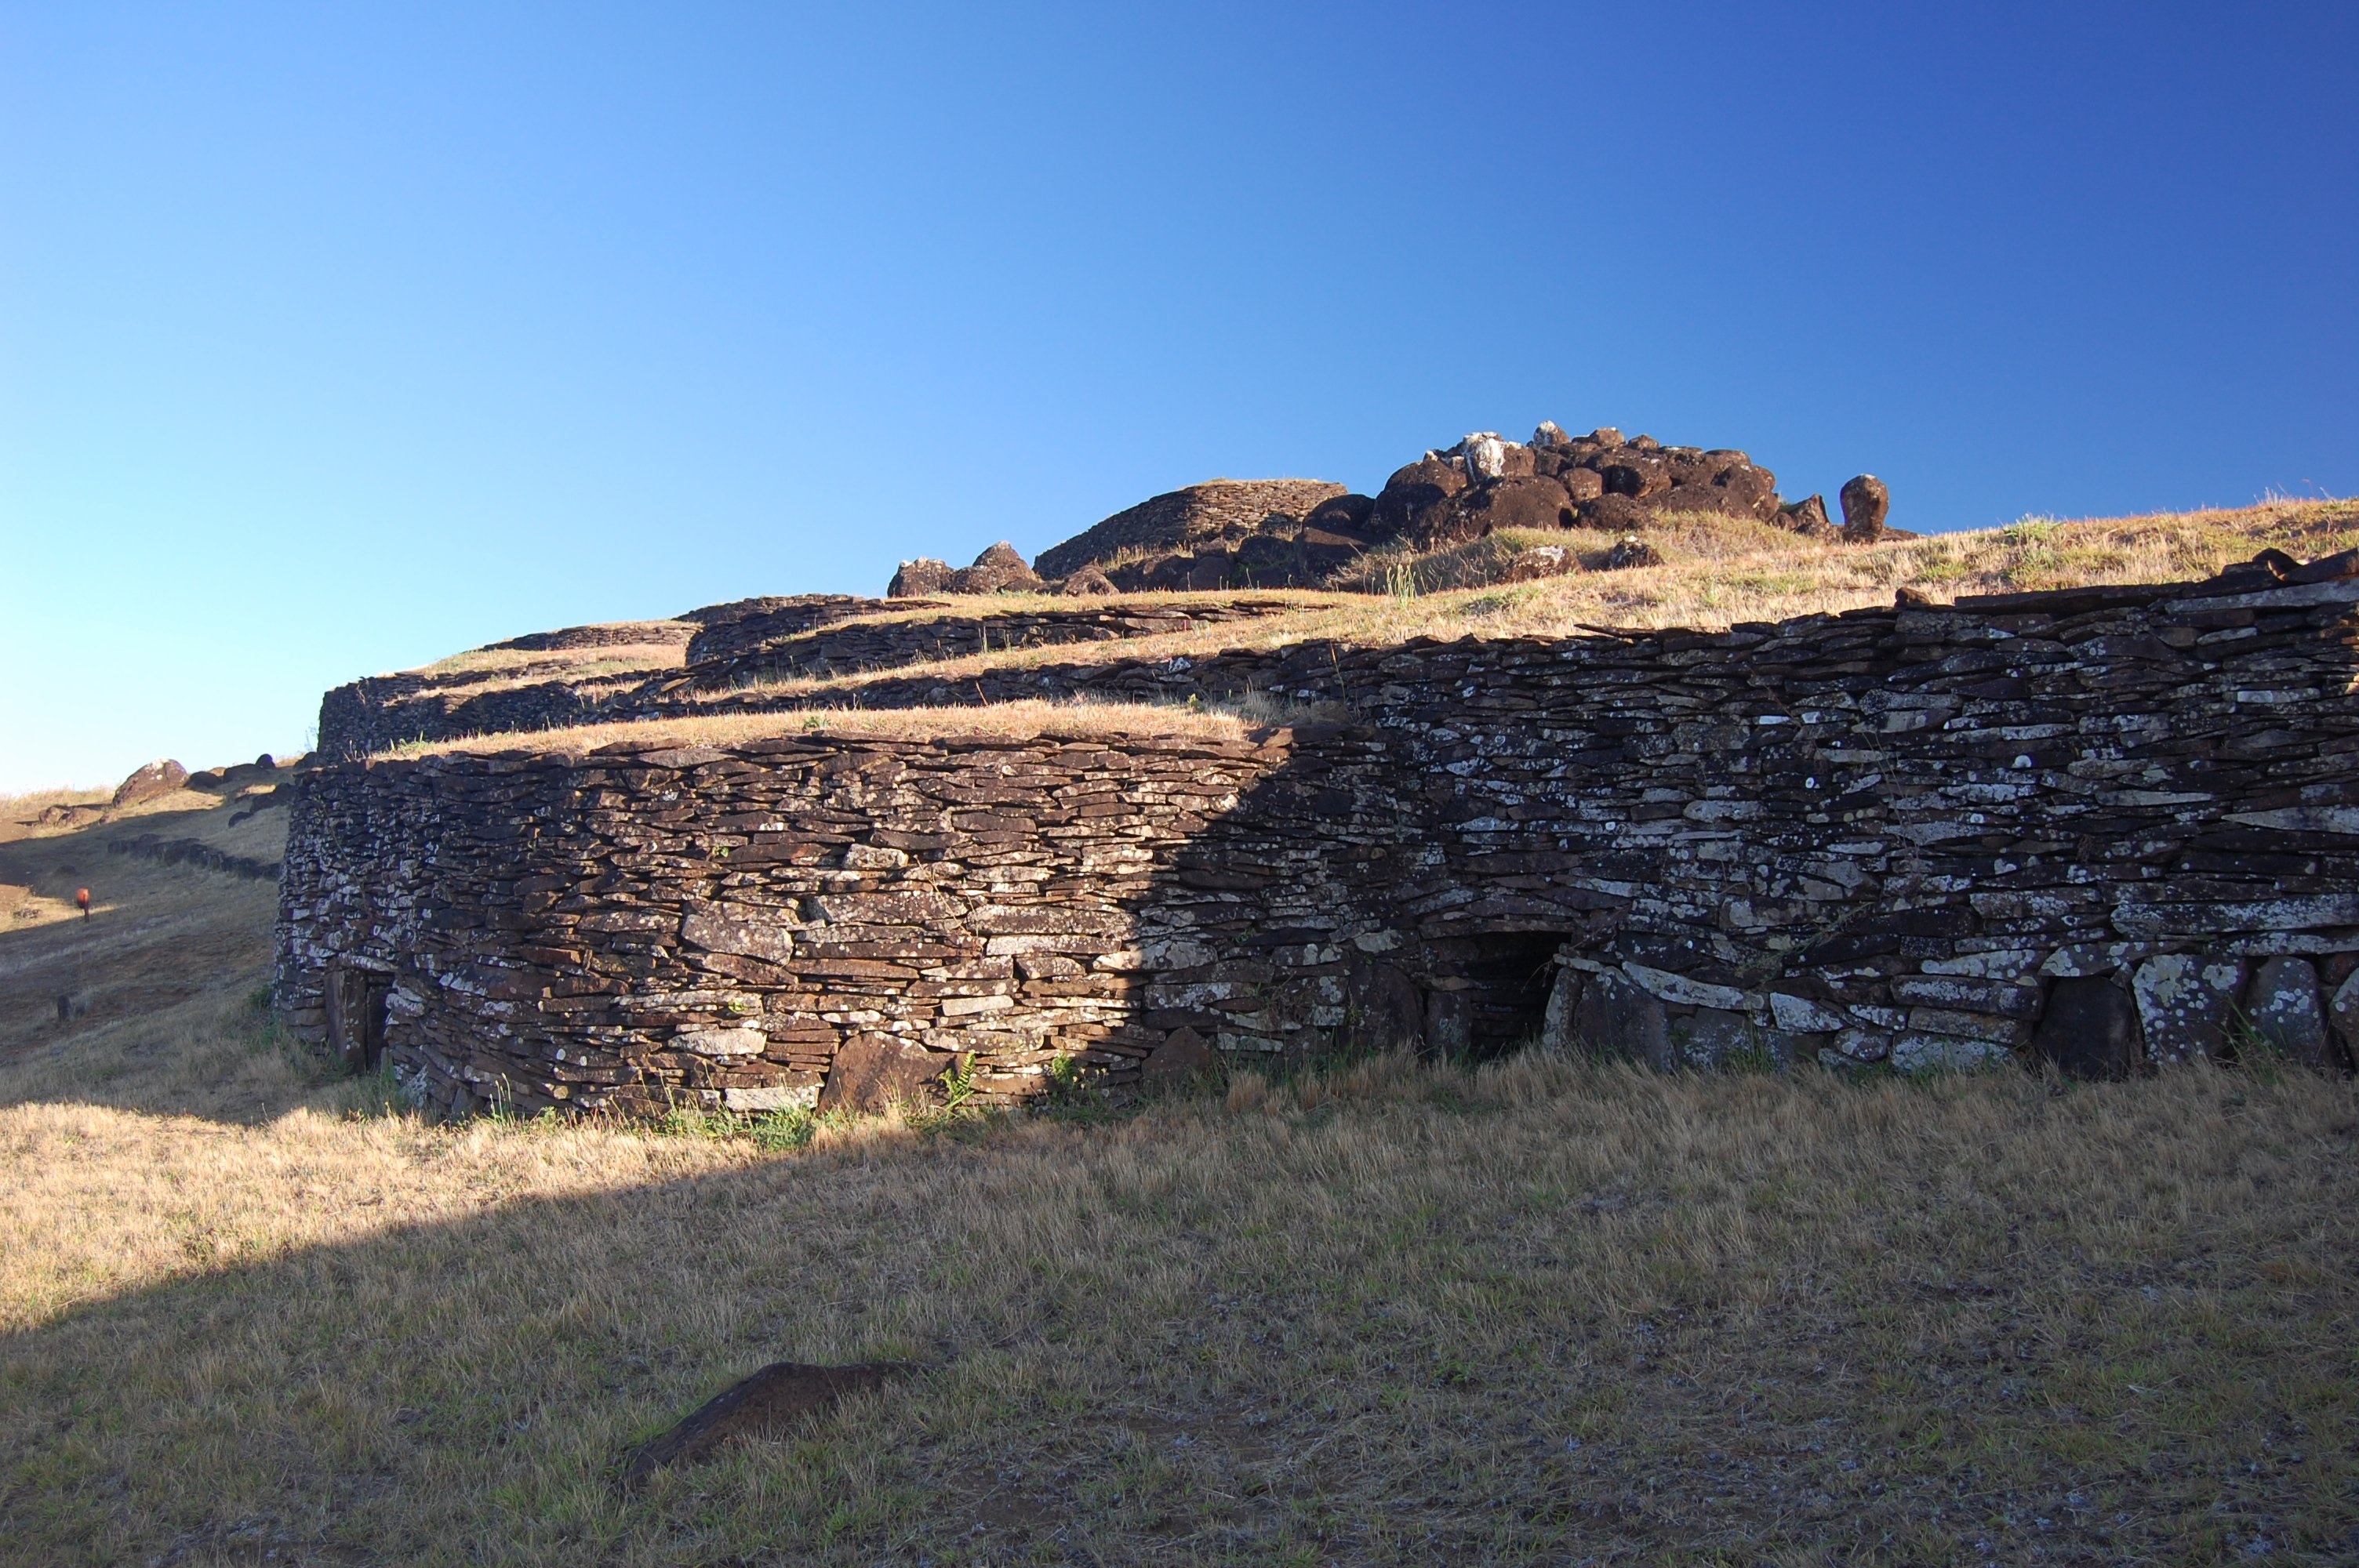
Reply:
x=1865, y=504
x=159, y=777
x=1599, y=480
x=998, y=569
x=1180, y=520
x=922, y=578
x=1089, y=580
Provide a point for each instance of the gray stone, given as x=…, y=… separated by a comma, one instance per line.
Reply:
x=2283, y=1011
x=1619, y=1018
x=1946, y=1053
x=1804, y=1016
x=2185, y=1002
x=1709, y=1036
x=2345, y=1015
x=2089, y=1030
x=1557, y=1037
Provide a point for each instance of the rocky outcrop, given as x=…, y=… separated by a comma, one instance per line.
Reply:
x=2039, y=827
x=1599, y=480
x=1181, y=520
x=612, y=635
x=157, y=778
x=1865, y=504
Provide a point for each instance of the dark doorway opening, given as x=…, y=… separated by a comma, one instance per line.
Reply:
x=356, y=1006
x=1501, y=996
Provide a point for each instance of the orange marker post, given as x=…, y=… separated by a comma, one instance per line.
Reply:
x=81, y=901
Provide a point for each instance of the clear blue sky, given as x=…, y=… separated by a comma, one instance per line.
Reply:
x=337, y=338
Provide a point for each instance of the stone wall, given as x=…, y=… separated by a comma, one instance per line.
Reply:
x=2108, y=827
x=613, y=635
x=855, y=645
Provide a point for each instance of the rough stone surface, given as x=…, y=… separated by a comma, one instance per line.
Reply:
x=922, y=578
x=874, y=1071
x=2185, y=1003
x=2283, y=1009
x=159, y=777
x=1183, y=1056
x=1865, y=504
x=998, y=569
x=2088, y=1031
x=765, y=1406
x=1181, y=518
x=1938, y=833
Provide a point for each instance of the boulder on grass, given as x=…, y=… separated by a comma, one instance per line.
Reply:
x=765, y=1406
x=1184, y=1056
x=1631, y=551
x=1540, y=561
x=1523, y=503
x=1807, y=517
x=1088, y=581
x=998, y=569
x=161, y=776
x=1865, y=504
x=1411, y=493
x=921, y=578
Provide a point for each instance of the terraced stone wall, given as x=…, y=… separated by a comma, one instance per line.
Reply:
x=2108, y=829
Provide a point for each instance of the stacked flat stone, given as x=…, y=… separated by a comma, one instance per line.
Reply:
x=881, y=644
x=2102, y=827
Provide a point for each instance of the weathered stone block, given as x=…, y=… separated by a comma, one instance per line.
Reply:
x=2185, y=1003
x=2283, y=1009
x=2089, y=1030
x=1618, y=1017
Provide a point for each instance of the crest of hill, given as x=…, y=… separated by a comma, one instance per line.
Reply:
x=1179, y=518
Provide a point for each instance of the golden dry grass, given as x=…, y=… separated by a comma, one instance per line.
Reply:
x=1717, y=573
x=1537, y=1311
x=994, y=722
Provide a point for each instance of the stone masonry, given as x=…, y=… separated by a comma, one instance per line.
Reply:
x=2104, y=827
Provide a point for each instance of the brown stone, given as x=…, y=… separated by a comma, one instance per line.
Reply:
x=998, y=569
x=1807, y=517
x=765, y=1406
x=918, y=578
x=1412, y=493
x=1540, y=561
x=1183, y=1056
x=1517, y=503
x=1631, y=551
x=874, y=1071
x=1090, y=581
x=1346, y=514
x=159, y=777
x=1865, y=504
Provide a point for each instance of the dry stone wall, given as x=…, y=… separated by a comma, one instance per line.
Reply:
x=2107, y=828
x=1181, y=518
x=857, y=645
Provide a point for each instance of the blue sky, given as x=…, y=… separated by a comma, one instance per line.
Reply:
x=335, y=338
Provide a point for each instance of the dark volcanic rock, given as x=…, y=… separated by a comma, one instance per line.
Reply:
x=922, y=578
x=1520, y=502
x=765, y=1405
x=1090, y=580
x=159, y=777
x=1807, y=517
x=1412, y=494
x=1631, y=551
x=1865, y=504
x=2088, y=1031
x=998, y=569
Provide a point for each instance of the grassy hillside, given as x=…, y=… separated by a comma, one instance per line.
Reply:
x=1383, y=1313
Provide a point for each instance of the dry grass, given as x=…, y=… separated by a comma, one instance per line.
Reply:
x=1717, y=573
x=1537, y=1311
x=996, y=721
